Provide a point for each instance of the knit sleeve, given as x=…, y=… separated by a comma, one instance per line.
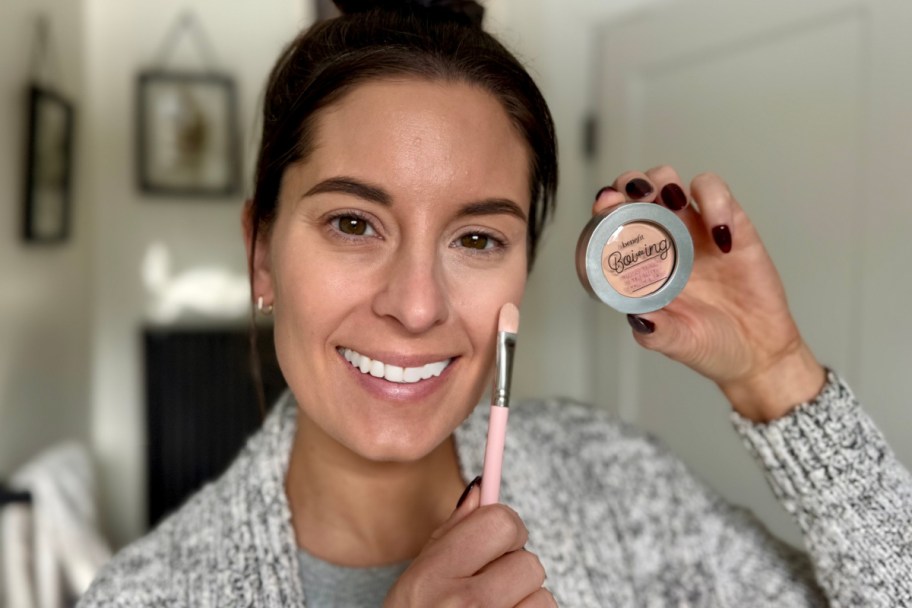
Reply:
x=831, y=468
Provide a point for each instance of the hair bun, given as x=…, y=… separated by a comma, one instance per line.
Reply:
x=467, y=12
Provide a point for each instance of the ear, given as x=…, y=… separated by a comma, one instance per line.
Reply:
x=258, y=259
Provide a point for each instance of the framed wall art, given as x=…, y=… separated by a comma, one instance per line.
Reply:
x=187, y=136
x=49, y=159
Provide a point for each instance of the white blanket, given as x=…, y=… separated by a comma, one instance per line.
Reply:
x=52, y=549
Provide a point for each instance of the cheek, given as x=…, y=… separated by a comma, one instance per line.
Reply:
x=315, y=291
x=309, y=274
x=477, y=297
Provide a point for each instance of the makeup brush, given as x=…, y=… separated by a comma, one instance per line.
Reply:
x=507, y=326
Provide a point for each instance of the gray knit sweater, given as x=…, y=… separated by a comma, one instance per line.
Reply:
x=615, y=519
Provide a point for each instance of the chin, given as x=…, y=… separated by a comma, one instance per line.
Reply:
x=398, y=447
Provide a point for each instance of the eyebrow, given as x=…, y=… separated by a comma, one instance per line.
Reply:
x=376, y=194
x=493, y=206
x=350, y=185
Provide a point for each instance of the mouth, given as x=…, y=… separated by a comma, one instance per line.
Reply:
x=394, y=373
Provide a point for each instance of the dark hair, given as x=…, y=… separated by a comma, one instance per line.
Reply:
x=334, y=56
x=393, y=39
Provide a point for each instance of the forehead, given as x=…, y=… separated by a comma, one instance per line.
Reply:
x=417, y=135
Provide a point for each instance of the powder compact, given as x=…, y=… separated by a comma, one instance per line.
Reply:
x=635, y=257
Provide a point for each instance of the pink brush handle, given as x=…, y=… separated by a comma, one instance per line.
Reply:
x=494, y=451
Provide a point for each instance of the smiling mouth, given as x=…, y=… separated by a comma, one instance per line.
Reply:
x=393, y=373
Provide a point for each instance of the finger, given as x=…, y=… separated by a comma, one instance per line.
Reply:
x=669, y=187
x=607, y=198
x=468, y=502
x=630, y=186
x=670, y=331
x=541, y=598
x=636, y=186
x=657, y=330
x=673, y=195
x=716, y=205
x=482, y=536
x=512, y=577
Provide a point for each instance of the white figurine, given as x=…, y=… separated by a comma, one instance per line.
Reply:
x=208, y=291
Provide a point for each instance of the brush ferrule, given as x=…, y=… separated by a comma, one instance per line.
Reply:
x=503, y=368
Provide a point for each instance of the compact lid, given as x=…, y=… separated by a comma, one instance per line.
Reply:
x=615, y=261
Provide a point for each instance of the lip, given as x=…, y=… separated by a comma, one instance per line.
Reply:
x=396, y=391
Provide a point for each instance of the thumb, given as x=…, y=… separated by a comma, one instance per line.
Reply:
x=468, y=502
x=659, y=331
x=688, y=331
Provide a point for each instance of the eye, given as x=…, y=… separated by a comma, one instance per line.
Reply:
x=352, y=225
x=475, y=241
x=480, y=242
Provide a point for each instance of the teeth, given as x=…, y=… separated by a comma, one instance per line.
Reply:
x=393, y=373
x=437, y=368
x=376, y=369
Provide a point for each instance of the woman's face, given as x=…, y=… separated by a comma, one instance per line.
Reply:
x=395, y=246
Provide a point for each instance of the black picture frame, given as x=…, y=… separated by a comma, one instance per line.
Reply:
x=49, y=162
x=187, y=140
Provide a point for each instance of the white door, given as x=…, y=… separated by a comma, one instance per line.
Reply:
x=805, y=108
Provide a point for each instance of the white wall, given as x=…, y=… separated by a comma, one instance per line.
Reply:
x=123, y=37
x=44, y=290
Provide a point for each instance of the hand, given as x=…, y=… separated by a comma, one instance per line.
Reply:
x=731, y=323
x=476, y=558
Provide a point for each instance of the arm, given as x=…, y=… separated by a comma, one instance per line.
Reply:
x=825, y=459
x=832, y=470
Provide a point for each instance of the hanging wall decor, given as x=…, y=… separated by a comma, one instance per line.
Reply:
x=186, y=126
x=49, y=150
x=48, y=166
x=187, y=143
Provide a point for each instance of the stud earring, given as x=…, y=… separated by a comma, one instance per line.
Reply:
x=265, y=309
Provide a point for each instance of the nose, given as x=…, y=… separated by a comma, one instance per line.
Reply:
x=414, y=293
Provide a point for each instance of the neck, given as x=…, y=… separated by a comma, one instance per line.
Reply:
x=354, y=512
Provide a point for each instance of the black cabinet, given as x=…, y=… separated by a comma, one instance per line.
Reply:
x=201, y=405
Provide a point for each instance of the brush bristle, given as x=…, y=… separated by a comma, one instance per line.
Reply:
x=509, y=318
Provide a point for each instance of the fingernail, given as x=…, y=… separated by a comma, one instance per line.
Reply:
x=641, y=325
x=468, y=490
x=723, y=237
x=638, y=188
x=603, y=190
x=673, y=197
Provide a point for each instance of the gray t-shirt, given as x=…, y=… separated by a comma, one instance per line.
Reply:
x=327, y=585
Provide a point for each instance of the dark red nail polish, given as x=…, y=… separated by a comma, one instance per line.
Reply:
x=673, y=197
x=603, y=190
x=465, y=493
x=641, y=325
x=638, y=188
x=723, y=238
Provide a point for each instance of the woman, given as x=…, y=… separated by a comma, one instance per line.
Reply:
x=406, y=170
